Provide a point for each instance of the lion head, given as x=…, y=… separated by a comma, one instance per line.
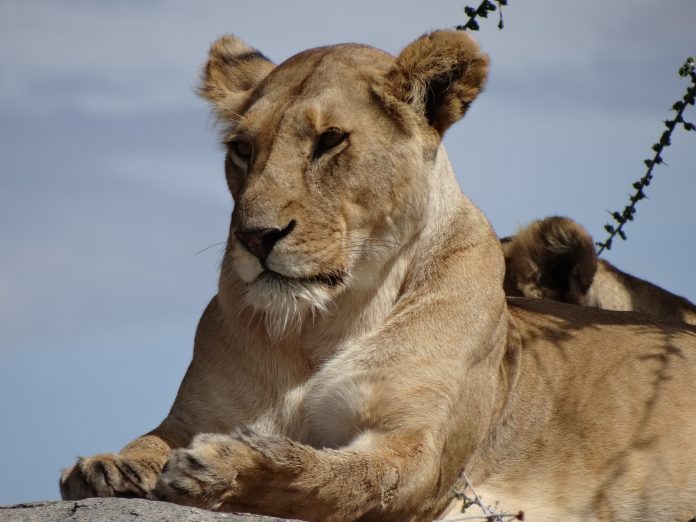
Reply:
x=330, y=162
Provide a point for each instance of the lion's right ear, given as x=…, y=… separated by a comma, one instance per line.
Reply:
x=439, y=75
x=233, y=70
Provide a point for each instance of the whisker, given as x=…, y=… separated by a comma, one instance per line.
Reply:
x=211, y=246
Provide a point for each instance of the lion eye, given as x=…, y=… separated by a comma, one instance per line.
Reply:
x=242, y=149
x=328, y=140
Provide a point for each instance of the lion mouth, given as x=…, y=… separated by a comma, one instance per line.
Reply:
x=330, y=280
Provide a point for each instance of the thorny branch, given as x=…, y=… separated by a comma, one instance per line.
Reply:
x=629, y=211
x=489, y=514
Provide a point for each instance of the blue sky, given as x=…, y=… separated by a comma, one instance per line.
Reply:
x=111, y=179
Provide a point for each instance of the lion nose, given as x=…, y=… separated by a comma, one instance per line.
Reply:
x=260, y=241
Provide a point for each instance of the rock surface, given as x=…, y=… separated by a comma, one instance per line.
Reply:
x=117, y=510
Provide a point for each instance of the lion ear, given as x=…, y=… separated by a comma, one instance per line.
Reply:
x=554, y=258
x=440, y=74
x=233, y=70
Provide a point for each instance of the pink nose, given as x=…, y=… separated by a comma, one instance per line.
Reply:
x=260, y=241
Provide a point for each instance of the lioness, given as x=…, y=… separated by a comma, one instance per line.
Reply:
x=360, y=353
x=555, y=258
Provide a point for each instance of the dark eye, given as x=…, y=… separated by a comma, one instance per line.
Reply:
x=241, y=149
x=328, y=140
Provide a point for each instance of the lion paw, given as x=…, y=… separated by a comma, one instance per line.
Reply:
x=203, y=475
x=108, y=475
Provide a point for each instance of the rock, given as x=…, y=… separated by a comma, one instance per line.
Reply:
x=117, y=510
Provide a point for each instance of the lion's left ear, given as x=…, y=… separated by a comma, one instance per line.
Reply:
x=233, y=70
x=440, y=74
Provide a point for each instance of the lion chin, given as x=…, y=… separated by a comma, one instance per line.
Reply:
x=286, y=302
x=282, y=293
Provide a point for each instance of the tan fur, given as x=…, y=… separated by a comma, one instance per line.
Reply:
x=357, y=367
x=555, y=258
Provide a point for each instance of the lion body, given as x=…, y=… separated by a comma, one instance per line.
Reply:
x=613, y=289
x=596, y=434
x=360, y=353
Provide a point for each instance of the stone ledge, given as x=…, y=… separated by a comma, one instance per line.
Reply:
x=117, y=510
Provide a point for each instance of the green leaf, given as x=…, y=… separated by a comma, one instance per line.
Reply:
x=485, y=7
x=688, y=66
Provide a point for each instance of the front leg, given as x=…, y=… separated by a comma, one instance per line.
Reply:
x=274, y=475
